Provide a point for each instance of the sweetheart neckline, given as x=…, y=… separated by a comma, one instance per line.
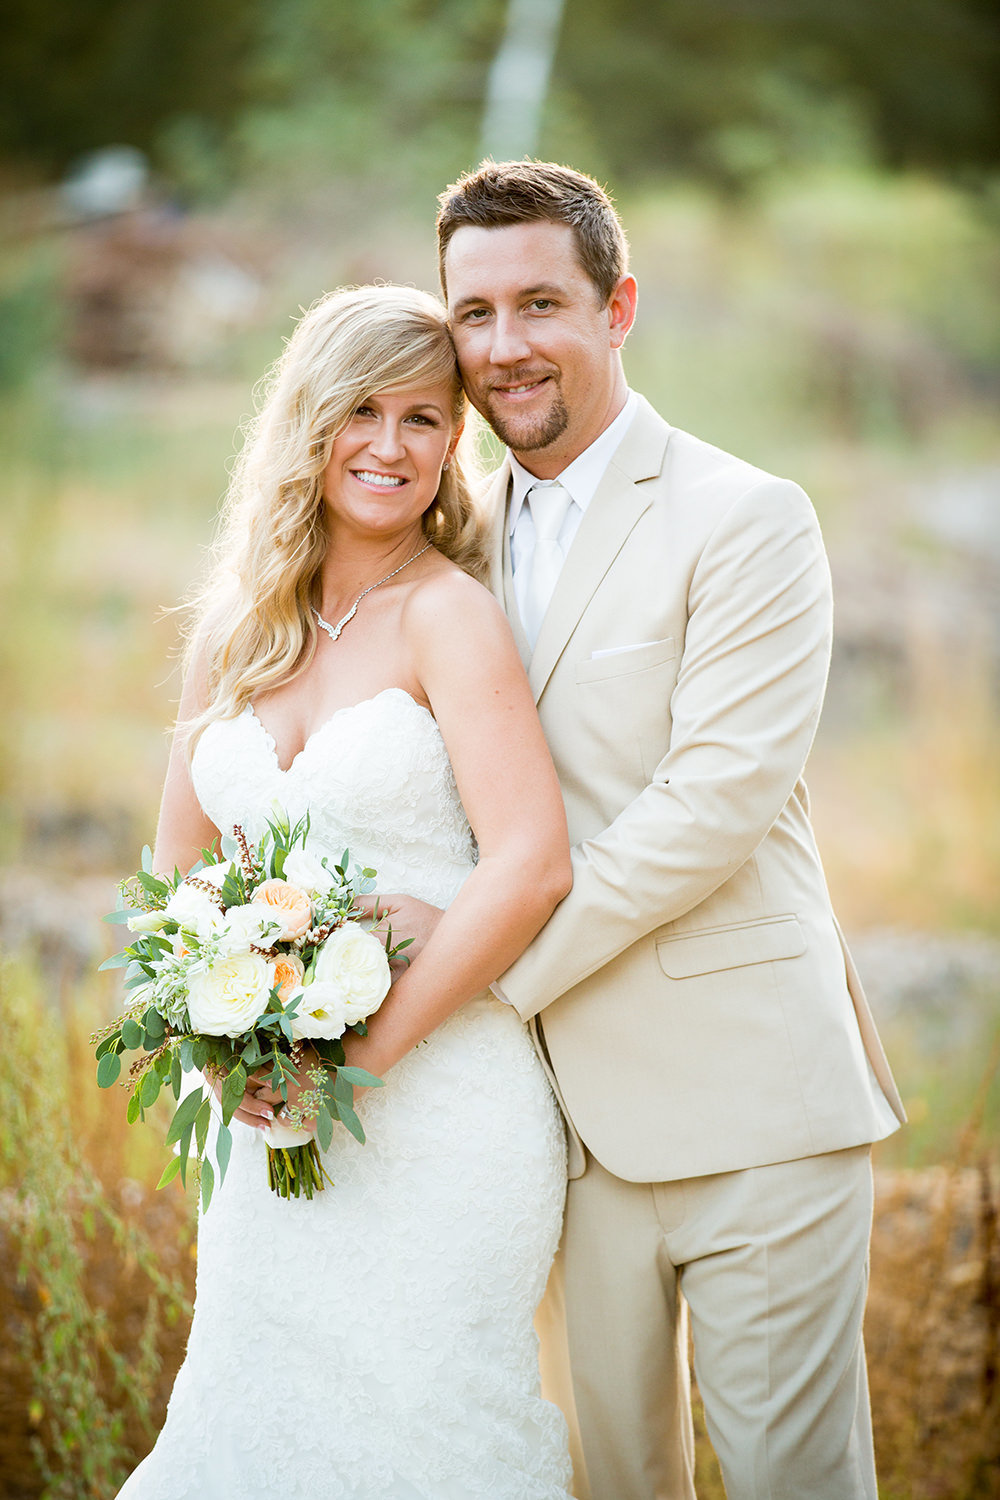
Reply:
x=337, y=713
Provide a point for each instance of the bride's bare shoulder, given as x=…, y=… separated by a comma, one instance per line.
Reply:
x=446, y=592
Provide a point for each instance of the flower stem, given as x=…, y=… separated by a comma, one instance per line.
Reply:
x=294, y=1170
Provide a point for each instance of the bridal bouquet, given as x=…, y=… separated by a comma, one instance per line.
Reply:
x=232, y=968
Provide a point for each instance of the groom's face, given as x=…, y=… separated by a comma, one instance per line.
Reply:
x=536, y=345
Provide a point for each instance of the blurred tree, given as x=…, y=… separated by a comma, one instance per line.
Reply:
x=75, y=76
x=725, y=88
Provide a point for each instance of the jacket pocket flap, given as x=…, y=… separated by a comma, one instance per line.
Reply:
x=714, y=948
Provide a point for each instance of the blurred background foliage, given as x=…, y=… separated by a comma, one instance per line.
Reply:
x=722, y=88
x=813, y=202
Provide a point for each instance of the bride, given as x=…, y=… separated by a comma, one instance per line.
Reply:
x=376, y=1342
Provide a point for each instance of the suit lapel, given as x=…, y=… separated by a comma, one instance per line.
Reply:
x=501, y=574
x=609, y=519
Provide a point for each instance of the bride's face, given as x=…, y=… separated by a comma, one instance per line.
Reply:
x=385, y=467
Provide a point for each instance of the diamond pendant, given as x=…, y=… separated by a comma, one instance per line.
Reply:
x=333, y=631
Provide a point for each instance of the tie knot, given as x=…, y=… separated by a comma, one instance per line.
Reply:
x=548, y=504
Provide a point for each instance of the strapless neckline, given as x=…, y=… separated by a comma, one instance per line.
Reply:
x=251, y=713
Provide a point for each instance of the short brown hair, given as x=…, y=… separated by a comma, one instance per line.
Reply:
x=498, y=194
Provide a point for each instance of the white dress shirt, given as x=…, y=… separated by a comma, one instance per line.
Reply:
x=580, y=479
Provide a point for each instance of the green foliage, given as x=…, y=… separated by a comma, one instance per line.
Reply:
x=74, y=78
x=87, y=1386
x=394, y=89
x=712, y=88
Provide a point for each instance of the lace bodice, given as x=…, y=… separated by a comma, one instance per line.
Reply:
x=375, y=778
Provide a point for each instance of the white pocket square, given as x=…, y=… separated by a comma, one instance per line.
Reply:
x=620, y=650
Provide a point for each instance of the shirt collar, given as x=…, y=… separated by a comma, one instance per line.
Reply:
x=585, y=473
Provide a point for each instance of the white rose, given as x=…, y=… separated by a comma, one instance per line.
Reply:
x=354, y=962
x=194, y=909
x=306, y=870
x=214, y=874
x=227, y=998
x=321, y=1012
x=146, y=921
x=253, y=924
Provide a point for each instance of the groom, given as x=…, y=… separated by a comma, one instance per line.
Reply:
x=701, y=1020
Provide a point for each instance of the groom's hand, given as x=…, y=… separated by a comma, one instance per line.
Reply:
x=408, y=916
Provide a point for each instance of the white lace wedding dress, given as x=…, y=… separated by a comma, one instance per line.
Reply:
x=376, y=1343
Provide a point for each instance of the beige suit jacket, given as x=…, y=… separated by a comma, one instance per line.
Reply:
x=700, y=1011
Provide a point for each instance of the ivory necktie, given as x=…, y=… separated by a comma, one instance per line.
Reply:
x=548, y=504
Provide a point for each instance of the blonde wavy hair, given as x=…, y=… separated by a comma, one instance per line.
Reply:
x=252, y=621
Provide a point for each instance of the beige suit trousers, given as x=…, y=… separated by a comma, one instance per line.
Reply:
x=771, y=1263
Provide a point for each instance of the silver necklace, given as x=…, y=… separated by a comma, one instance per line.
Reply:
x=333, y=631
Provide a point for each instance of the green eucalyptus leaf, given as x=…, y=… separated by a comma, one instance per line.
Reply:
x=201, y=1123
x=146, y=859
x=324, y=1129
x=134, y=1109
x=169, y=1172
x=152, y=884
x=199, y=1052
x=233, y=1089
x=184, y=1116
x=116, y=961
x=176, y=1074
x=184, y=1150
x=223, y=1151
x=207, y=1183
x=132, y=1034
x=361, y=1076
x=352, y=1122
x=108, y=1070
x=149, y=1088
x=116, y=918
x=154, y=1024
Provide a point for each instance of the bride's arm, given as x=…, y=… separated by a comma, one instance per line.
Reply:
x=469, y=669
x=183, y=829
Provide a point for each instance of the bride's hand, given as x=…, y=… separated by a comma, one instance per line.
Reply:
x=261, y=1096
x=256, y=1108
x=408, y=916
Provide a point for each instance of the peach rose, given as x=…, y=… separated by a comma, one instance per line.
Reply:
x=288, y=906
x=286, y=975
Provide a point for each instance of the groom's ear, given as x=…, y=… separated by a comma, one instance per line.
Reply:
x=621, y=309
x=455, y=441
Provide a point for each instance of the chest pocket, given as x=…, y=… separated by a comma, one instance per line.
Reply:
x=626, y=662
x=623, y=702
